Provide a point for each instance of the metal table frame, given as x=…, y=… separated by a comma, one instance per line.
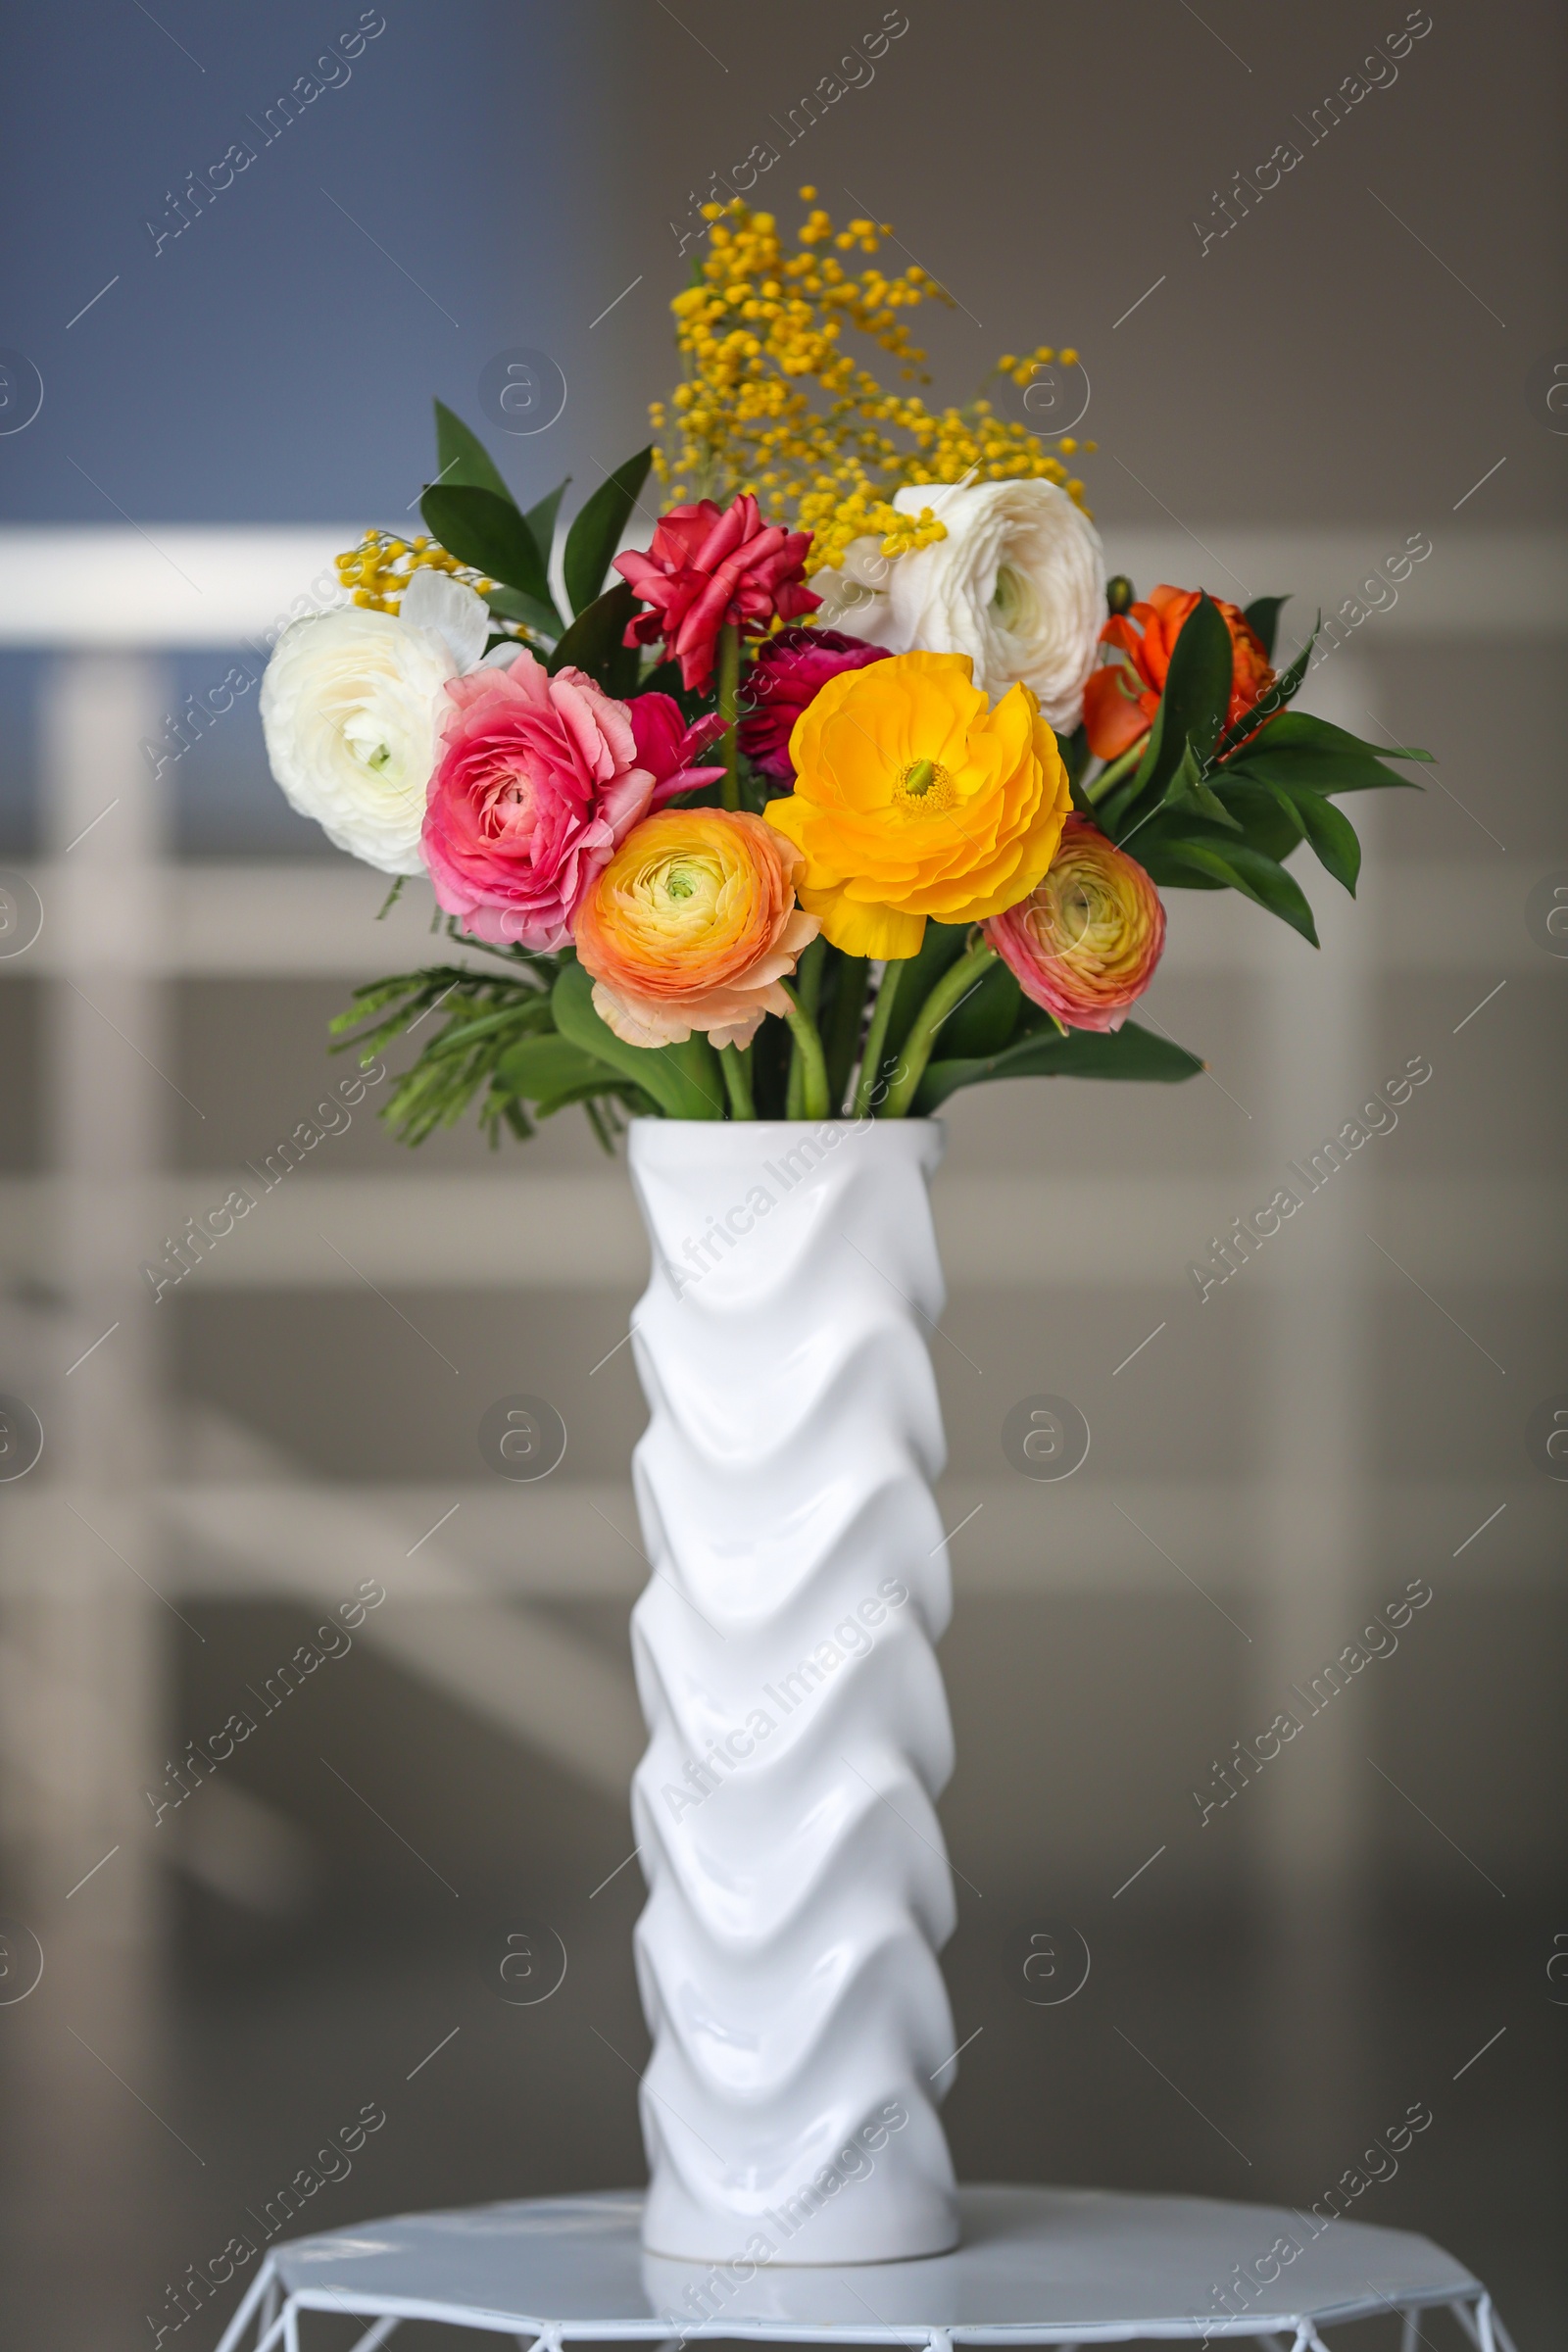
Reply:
x=268, y=2318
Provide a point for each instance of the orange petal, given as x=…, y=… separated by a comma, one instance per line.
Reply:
x=1113, y=719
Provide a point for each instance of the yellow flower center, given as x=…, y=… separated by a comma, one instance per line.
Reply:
x=672, y=896
x=1084, y=919
x=925, y=789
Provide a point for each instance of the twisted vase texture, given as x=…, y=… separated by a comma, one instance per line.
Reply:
x=798, y=1730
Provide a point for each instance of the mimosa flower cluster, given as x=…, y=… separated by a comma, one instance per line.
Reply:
x=855, y=784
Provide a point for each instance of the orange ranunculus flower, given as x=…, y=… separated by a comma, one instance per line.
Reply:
x=1120, y=700
x=913, y=799
x=692, y=925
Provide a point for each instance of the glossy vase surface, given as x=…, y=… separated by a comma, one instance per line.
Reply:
x=798, y=1887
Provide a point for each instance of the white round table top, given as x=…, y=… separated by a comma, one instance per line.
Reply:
x=1035, y=2265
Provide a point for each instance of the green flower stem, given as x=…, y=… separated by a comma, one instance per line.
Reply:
x=736, y=1066
x=808, y=989
x=809, y=1046
x=871, y=1058
x=947, y=995
x=809, y=974
x=844, y=1026
x=729, y=673
x=1114, y=770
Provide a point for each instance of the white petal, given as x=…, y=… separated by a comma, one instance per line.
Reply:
x=433, y=600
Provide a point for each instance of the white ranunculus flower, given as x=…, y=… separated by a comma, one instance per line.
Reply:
x=352, y=705
x=1018, y=584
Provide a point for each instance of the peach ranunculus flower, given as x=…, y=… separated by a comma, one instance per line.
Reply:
x=692, y=925
x=1084, y=945
x=1121, y=698
x=913, y=798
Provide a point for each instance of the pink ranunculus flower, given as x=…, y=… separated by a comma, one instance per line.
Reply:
x=791, y=669
x=669, y=747
x=705, y=570
x=539, y=781
x=1084, y=941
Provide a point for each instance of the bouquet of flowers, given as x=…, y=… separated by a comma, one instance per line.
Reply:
x=858, y=785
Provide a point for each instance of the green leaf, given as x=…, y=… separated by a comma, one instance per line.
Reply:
x=1118, y=805
x=1074, y=749
x=983, y=1021
x=676, y=1078
x=1160, y=862
x=543, y=1066
x=541, y=520
x=513, y=605
x=1198, y=684
x=594, y=641
x=1187, y=789
x=1299, y=730
x=1285, y=686
x=1330, y=834
x=599, y=1092
x=1262, y=617
x=462, y=458
x=1192, y=711
x=941, y=946
x=488, y=532
x=1313, y=770
x=1126, y=1053
x=1267, y=818
x=1259, y=878
x=595, y=533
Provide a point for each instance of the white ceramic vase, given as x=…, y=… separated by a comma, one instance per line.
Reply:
x=798, y=1730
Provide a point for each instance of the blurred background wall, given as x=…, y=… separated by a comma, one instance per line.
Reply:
x=1286, y=388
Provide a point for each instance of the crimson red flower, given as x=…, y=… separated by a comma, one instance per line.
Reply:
x=1121, y=699
x=667, y=747
x=705, y=570
x=790, y=670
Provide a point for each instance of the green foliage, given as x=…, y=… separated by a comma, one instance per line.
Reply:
x=941, y=947
x=593, y=641
x=845, y=980
x=540, y=520
x=1192, y=711
x=1297, y=731
x=488, y=532
x=1228, y=808
x=595, y=533
x=1332, y=836
x=1075, y=754
x=462, y=458
x=1262, y=617
x=684, y=1081
x=1258, y=877
x=495, y=1048
x=982, y=1022
x=1125, y=1052
x=1284, y=690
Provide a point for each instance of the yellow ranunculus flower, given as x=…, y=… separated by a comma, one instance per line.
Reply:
x=913, y=798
